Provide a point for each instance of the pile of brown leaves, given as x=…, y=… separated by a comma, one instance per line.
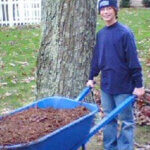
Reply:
x=142, y=111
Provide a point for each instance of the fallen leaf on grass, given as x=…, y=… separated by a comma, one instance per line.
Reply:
x=28, y=80
x=2, y=66
x=14, y=81
x=23, y=63
x=12, y=64
x=7, y=94
x=3, y=84
x=5, y=111
x=33, y=86
x=12, y=42
x=148, y=64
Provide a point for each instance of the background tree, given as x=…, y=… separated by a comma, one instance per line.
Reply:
x=146, y=3
x=125, y=3
x=66, y=46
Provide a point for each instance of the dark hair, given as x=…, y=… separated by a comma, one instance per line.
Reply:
x=115, y=10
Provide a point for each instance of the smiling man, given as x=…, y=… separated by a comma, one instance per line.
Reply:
x=115, y=55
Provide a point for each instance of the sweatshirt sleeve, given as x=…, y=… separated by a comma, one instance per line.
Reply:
x=132, y=59
x=94, y=71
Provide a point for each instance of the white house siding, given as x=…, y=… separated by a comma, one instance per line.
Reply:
x=136, y=3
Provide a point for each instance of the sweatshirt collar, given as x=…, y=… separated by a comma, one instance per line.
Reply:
x=111, y=26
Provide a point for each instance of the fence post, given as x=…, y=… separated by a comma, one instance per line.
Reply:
x=10, y=12
x=39, y=12
x=1, y=13
x=21, y=12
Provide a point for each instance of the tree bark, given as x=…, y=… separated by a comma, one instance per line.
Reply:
x=66, y=48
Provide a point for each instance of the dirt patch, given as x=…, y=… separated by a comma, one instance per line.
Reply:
x=33, y=123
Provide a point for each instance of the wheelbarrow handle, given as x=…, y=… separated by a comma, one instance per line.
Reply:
x=83, y=93
x=110, y=117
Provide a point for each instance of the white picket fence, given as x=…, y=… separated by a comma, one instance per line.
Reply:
x=20, y=12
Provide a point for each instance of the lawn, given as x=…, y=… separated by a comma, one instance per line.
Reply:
x=19, y=49
x=18, y=52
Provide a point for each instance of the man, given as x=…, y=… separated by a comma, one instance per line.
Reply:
x=115, y=55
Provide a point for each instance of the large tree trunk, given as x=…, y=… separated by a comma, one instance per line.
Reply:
x=66, y=47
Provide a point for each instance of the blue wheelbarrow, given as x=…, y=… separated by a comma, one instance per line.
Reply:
x=73, y=135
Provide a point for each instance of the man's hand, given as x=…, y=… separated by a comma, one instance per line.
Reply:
x=139, y=91
x=90, y=83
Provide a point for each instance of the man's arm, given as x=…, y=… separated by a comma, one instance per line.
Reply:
x=134, y=64
x=94, y=69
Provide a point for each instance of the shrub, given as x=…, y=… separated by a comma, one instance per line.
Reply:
x=125, y=3
x=146, y=3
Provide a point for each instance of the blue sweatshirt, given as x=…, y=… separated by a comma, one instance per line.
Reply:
x=115, y=55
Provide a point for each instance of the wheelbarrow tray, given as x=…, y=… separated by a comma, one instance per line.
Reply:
x=64, y=138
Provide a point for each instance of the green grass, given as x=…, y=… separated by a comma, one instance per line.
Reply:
x=18, y=53
x=142, y=134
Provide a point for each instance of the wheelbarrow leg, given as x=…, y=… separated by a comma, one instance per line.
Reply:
x=83, y=147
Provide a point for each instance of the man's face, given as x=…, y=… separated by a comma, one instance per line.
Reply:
x=108, y=14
